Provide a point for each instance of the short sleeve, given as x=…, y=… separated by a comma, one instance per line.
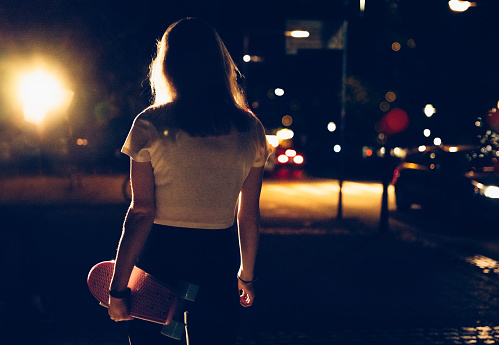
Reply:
x=263, y=149
x=138, y=142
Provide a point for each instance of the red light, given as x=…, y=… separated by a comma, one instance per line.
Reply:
x=396, y=175
x=395, y=121
x=369, y=153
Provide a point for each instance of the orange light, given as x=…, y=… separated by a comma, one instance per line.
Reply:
x=81, y=142
x=298, y=159
x=282, y=159
x=369, y=153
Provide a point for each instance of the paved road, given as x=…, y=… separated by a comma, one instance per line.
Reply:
x=324, y=283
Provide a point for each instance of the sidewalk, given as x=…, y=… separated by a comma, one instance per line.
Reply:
x=355, y=286
x=348, y=286
x=75, y=189
x=335, y=283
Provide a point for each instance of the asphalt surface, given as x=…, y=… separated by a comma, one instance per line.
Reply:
x=333, y=283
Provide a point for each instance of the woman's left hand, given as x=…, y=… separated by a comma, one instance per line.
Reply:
x=246, y=293
x=118, y=309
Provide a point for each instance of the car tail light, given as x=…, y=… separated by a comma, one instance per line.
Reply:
x=298, y=159
x=282, y=159
x=396, y=175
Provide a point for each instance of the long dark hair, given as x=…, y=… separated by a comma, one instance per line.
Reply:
x=194, y=74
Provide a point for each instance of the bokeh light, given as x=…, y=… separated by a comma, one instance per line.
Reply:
x=81, y=142
x=381, y=138
x=429, y=110
x=39, y=93
x=284, y=134
x=396, y=46
x=390, y=96
x=384, y=106
x=331, y=127
x=282, y=159
x=287, y=120
x=460, y=6
x=395, y=121
x=273, y=140
x=298, y=159
x=297, y=33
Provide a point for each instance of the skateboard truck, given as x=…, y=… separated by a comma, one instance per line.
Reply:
x=187, y=292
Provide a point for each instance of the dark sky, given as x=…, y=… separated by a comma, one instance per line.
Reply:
x=105, y=47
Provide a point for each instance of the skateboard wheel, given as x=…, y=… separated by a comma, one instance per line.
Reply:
x=187, y=290
x=174, y=330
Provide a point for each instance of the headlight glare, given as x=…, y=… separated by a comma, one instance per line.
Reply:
x=491, y=192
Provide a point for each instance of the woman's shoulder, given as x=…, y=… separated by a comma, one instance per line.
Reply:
x=253, y=120
x=249, y=118
x=157, y=115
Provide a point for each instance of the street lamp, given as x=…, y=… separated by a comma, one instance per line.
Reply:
x=460, y=6
x=297, y=34
x=41, y=93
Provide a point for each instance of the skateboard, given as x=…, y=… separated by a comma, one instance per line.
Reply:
x=150, y=299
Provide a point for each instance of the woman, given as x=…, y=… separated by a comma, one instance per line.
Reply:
x=197, y=157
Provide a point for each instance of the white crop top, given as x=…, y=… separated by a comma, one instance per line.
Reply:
x=197, y=179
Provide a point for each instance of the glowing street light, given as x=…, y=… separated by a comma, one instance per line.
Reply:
x=297, y=33
x=331, y=126
x=284, y=134
x=429, y=110
x=460, y=6
x=40, y=93
x=279, y=92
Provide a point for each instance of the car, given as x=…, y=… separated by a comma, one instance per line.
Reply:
x=460, y=181
x=285, y=163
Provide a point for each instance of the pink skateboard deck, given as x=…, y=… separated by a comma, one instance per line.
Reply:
x=150, y=299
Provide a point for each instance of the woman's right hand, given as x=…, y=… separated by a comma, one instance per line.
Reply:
x=118, y=309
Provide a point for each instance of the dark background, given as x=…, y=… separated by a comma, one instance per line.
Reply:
x=103, y=48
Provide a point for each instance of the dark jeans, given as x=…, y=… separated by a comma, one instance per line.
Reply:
x=208, y=258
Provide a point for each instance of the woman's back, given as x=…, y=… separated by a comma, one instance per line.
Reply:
x=197, y=178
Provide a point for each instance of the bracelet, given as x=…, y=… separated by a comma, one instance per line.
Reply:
x=120, y=294
x=247, y=281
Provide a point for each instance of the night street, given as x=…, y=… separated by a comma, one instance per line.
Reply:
x=325, y=282
x=373, y=126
